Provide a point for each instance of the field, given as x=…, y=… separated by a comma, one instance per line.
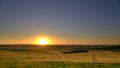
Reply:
x=57, y=65
x=60, y=56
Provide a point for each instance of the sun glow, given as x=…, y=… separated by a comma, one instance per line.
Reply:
x=43, y=41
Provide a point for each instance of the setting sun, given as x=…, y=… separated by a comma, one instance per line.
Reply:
x=43, y=42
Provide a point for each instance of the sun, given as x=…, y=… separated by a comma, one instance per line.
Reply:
x=43, y=42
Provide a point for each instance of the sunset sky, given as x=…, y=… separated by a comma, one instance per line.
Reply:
x=61, y=21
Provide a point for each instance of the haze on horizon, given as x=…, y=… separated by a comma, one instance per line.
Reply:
x=62, y=21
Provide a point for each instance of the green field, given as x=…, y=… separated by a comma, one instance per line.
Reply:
x=57, y=65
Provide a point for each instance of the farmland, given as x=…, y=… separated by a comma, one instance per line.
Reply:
x=34, y=56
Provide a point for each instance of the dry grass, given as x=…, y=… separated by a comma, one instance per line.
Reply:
x=30, y=57
x=54, y=55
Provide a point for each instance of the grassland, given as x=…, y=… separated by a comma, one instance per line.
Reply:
x=57, y=65
x=31, y=56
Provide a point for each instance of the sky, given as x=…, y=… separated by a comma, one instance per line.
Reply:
x=62, y=21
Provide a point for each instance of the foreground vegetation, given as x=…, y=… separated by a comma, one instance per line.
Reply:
x=57, y=65
x=25, y=56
